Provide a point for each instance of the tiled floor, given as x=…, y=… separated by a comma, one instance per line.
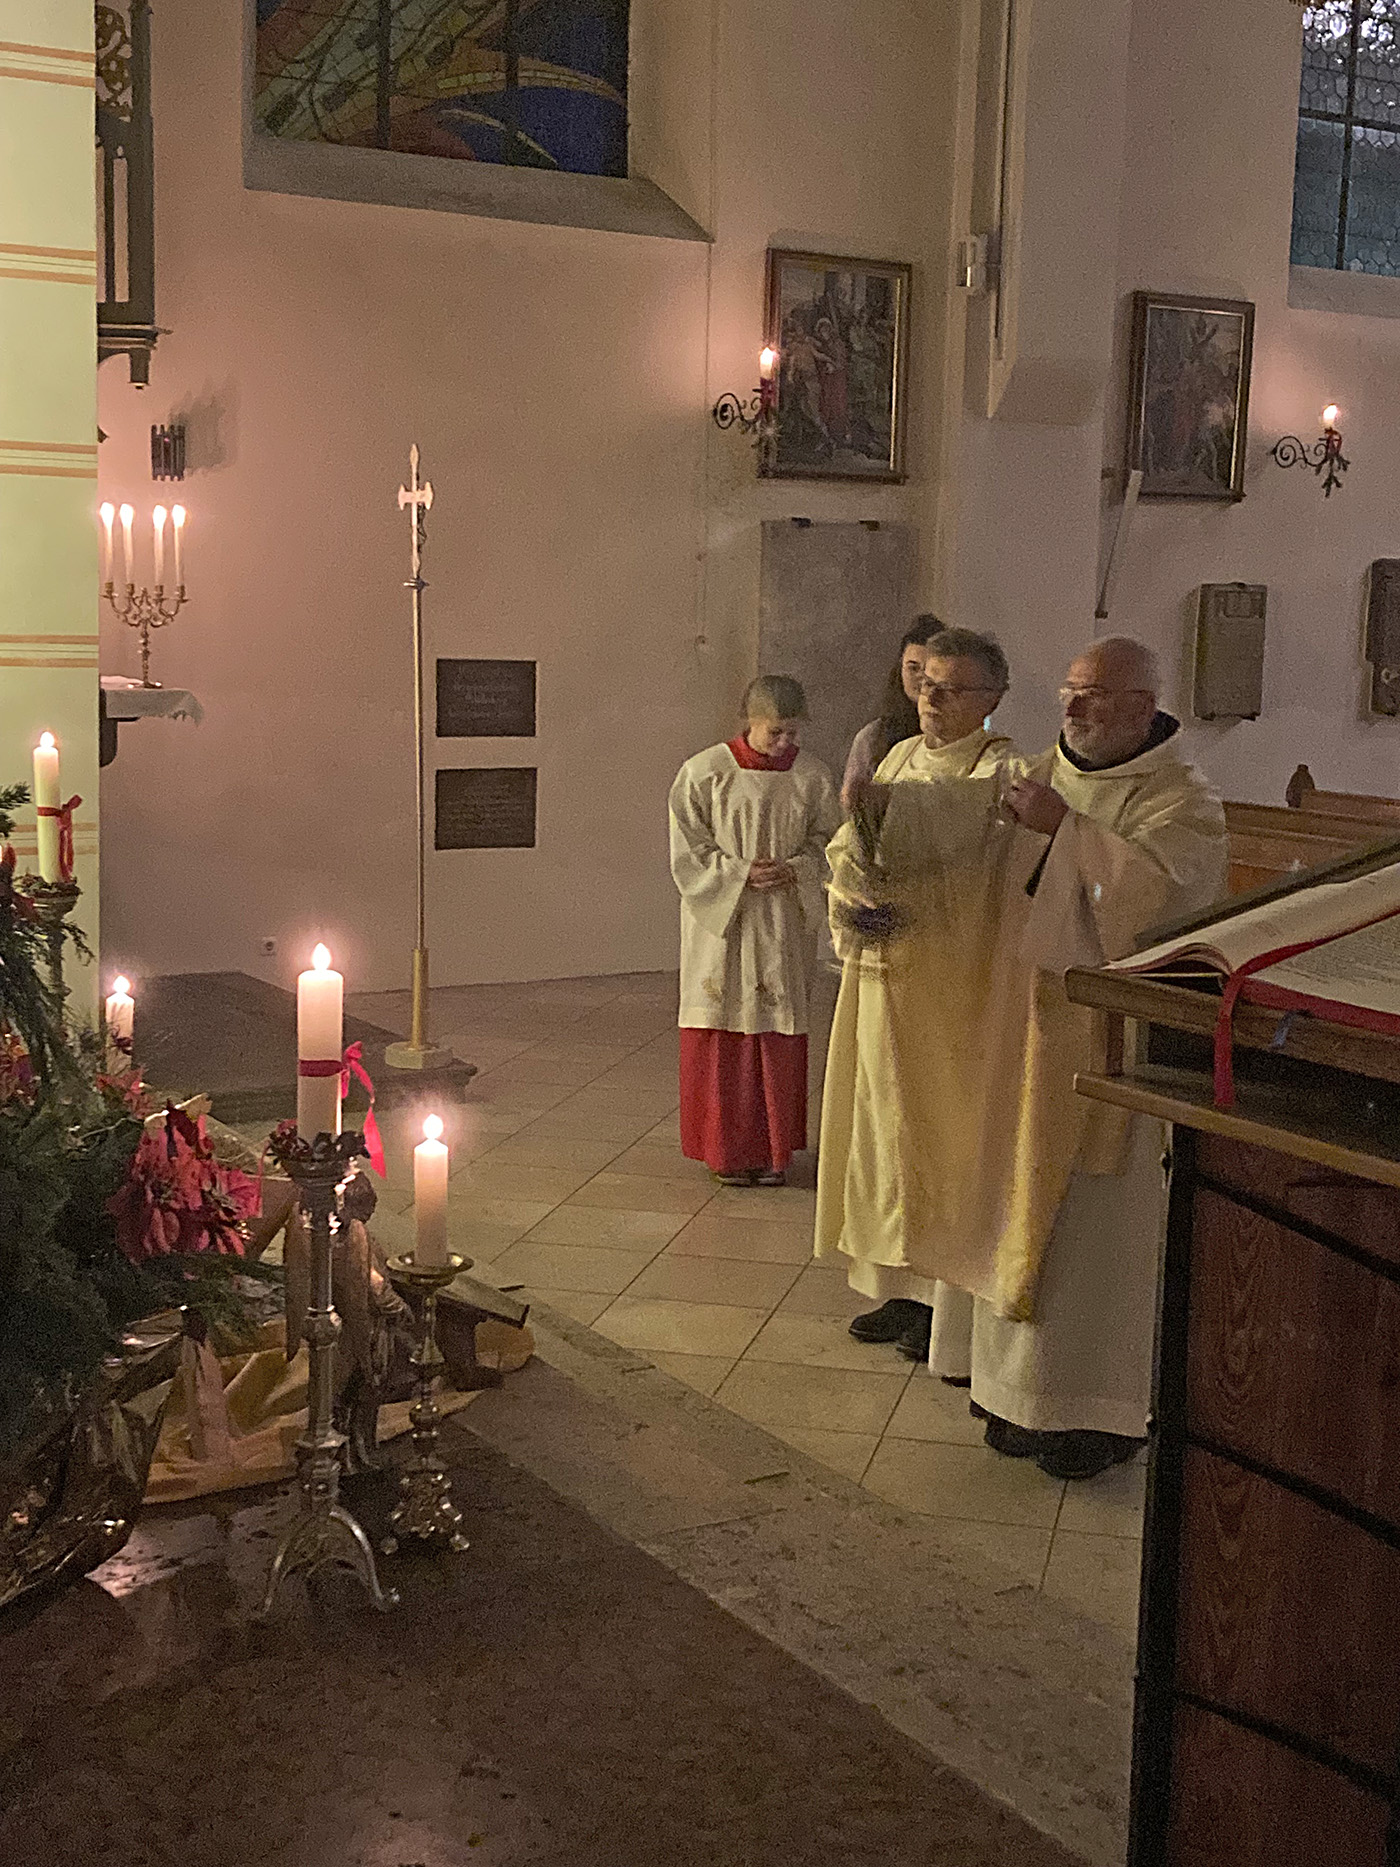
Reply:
x=569, y=1184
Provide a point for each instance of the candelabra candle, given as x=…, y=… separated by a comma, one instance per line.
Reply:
x=145, y=608
x=320, y=1039
x=158, y=517
x=126, y=515
x=177, y=526
x=108, y=512
x=430, y=1159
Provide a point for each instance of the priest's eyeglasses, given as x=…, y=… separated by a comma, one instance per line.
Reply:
x=1098, y=693
x=934, y=690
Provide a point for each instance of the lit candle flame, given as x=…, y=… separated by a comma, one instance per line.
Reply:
x=177, y=516
x=767, y=362
x=126, y=514
x=432, y=1127
x=1330, y=414
x=46, y=740
x=107, y=512
x=121, y=985
x=321, y=958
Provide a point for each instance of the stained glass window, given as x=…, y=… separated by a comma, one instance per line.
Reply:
x=530, y=83
x=1346, y=184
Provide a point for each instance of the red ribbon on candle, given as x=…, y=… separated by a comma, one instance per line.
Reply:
x=64, y=814
x=344, y=1067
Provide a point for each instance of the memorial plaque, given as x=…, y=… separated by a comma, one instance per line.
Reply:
x=485, y=699
x=486, y=807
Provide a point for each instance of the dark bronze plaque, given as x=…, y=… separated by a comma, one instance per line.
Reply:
x=491, y=807
x=485, y=699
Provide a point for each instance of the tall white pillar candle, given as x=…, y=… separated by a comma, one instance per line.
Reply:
x=430, y=1195
x=126, y=515
x=107, y=512
x=46, y=797
x=158, y=517
x=121, y=1017
x=177, y=526
x=320, y=1020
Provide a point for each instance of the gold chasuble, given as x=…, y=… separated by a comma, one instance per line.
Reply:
x=905, y=1075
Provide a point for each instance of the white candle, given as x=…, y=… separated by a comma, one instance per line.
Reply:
x=177, y=521
x=430, y=1195
x=108, y=512
x=320, y=1003
x=126, y=515
x=158, y=528
x=46, y=796
x=767, y=363
x=121, y=1016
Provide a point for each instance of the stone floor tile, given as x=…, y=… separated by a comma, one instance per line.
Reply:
x=794, y=1205
x=702, y=1372
x=661, y=1163
x=813, y=1341
x=714, y=1280
x=847, y=1453
x=932, y=1411
x=469, y=1205
x=1109, y=1505
x=635, y=1192
x=601, y=1225
x=963, y=1481
x=553, y=1070
x=822, y=1290
x=584, y=1306
x=661, y=1324
x=557, y=1154
x=567, y=1123
x=1020, y=1549
x=757, y=1240
x=571, y=1267
x=501, y=1179
x=1097, y=1576
x=780, y=1395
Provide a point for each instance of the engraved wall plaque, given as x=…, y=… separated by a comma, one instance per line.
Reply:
x=1229, y=683
x=1383, y=636
x=485, y=699
x=485, y=807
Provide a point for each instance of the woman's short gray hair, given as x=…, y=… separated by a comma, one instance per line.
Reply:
x=774, y=697
x=968, y=645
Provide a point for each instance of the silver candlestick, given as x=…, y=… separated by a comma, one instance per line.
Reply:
x=425, y=1508
x=324, y=1533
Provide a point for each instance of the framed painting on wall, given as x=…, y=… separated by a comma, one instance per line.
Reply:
x=841, y=330
x=1188, y=413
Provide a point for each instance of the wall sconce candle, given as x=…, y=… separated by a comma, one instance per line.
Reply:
x=1324, y=456
x=756, y=415
x=146, y=608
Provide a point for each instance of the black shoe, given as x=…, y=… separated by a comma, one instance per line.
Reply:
x=1084, y=1454
x=913, y=1344
x=978, y=1412
x=1012, y=1441
x=886, y=1324
x=956, y=1380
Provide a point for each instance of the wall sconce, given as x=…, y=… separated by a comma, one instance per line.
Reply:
x=758, y=415
x=1325, y=456
x=145, y=608
x=168, y=452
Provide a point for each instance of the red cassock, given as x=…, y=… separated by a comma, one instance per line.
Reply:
x=744, y=1095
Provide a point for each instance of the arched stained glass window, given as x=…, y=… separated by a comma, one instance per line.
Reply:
x=1346, y=185
x=528, y=83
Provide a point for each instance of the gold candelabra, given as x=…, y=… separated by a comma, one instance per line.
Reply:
x=144, y=607
x=425, y=1509
x=145, y=610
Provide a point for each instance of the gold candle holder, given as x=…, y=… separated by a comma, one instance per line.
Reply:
x=145, y=610
x=425, y=1509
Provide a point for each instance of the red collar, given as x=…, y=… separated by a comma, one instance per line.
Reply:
x=749, y=760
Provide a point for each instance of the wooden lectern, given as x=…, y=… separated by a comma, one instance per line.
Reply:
x=1267, y=1728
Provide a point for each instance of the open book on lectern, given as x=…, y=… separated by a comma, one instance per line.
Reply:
x=1326, y=942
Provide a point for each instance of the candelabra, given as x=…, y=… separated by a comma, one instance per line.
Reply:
x=1324, y=455
x=425, y=1508
x=756, y=415
x=145, y=608
x=325, y=1532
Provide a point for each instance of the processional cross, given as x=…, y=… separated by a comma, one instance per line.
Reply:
x=418, y=1053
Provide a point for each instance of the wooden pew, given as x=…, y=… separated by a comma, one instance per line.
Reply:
x=1303, y=794
x=1270, y=841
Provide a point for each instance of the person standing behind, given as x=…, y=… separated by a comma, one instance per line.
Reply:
x=899, y=715
x=750, y=821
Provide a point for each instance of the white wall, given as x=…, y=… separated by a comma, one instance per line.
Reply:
x=1203, y=157
x=588, y=515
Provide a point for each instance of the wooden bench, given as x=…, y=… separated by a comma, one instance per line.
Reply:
x=1303, y=794
x=1271, y=841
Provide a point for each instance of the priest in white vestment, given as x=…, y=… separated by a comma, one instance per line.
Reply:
x=904, y=1068
x=750, y=821
x=1065, y=1199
